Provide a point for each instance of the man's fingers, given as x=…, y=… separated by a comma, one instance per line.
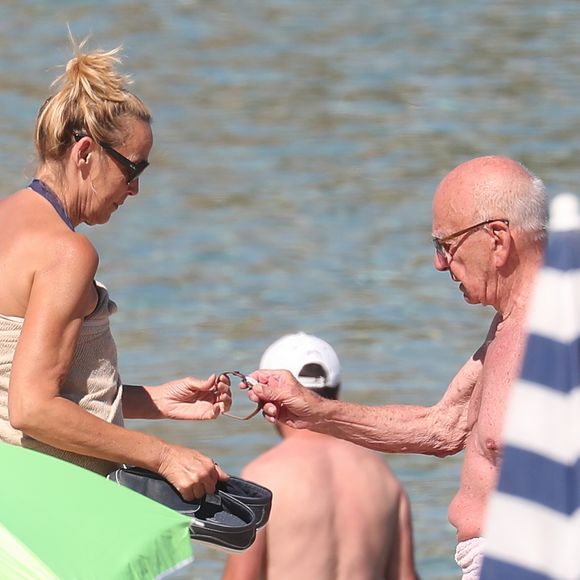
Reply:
x=248, y=383
x=260, y=376
x=261, y=390
x=270, y=410
x=265, y=392
x=270, y=419
x=254, y=397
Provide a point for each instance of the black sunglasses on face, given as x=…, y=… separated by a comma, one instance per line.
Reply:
x=131, y=169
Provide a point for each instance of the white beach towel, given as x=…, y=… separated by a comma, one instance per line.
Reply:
x=469, y=557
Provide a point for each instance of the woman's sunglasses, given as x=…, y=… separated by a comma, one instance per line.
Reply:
x=131, y=169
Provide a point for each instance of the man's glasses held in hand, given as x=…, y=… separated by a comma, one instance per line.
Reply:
x=244, y=382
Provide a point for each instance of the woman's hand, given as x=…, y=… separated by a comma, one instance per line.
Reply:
x=190, y=472
x=192, y=398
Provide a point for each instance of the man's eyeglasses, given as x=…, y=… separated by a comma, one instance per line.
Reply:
x=131, y=169
x=249, y=382
x=442, y=244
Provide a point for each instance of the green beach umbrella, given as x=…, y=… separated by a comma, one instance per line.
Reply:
x=60, y=522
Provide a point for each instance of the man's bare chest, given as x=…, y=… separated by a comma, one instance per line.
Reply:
x=491, y=395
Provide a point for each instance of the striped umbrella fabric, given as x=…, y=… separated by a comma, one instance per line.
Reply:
x=533, y=519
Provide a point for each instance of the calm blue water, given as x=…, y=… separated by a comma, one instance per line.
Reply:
x=298, y=145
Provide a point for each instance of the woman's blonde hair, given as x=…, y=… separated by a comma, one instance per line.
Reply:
x=92, y=99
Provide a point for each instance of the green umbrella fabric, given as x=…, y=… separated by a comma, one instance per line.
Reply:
x=60, y=522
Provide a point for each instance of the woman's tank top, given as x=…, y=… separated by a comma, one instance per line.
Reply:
x=93, y=381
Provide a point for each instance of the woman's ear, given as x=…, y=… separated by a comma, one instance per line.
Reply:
x=82, y=154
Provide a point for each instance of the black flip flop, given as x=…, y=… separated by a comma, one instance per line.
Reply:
x=219, y=519
x=256, y=497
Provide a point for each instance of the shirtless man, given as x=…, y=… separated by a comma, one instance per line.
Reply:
x=489, y=218
x=321, y=526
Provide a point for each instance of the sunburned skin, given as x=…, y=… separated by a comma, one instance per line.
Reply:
x=483, y=448
x=338, y=513
x=494, y=450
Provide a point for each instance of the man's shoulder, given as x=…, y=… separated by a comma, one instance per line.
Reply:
x=284, y=459
x=363, y=457
x=291, y=456
x=265, y=461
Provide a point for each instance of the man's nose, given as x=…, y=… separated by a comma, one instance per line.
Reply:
x=440, y=262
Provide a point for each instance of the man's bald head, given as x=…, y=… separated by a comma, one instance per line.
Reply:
x=491, y=187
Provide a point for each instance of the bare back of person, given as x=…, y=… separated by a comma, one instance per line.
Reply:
x=336, y=512
x=501, y=363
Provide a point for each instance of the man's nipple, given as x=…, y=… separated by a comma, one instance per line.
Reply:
x=492, y=449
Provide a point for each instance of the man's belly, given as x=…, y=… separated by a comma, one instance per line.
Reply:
x=467, y=509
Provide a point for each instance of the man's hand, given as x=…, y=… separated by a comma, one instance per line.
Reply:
x=285, y=399
x=191, y=398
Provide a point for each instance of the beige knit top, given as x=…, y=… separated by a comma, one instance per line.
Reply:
x=93, y=381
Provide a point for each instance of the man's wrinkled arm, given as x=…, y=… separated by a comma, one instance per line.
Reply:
x=438, y=430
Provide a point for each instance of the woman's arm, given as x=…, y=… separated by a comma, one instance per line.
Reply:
x=61, y=295
x=186, y=399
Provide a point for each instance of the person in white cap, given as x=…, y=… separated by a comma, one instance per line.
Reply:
x=338, y=512
x=489, y=226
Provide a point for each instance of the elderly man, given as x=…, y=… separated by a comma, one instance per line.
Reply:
x=489, y=218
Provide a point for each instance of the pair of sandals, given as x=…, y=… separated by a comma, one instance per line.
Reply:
x=227, y=519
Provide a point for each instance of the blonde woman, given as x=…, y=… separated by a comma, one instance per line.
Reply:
x=60, y=390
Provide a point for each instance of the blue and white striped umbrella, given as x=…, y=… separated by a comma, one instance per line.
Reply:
x=533, y=519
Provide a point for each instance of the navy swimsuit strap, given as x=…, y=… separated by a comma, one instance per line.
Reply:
x=41, y=189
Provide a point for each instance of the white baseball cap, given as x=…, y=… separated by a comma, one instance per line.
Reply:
x=293, y=351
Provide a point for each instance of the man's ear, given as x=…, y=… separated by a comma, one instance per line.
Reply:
x=502, y=242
